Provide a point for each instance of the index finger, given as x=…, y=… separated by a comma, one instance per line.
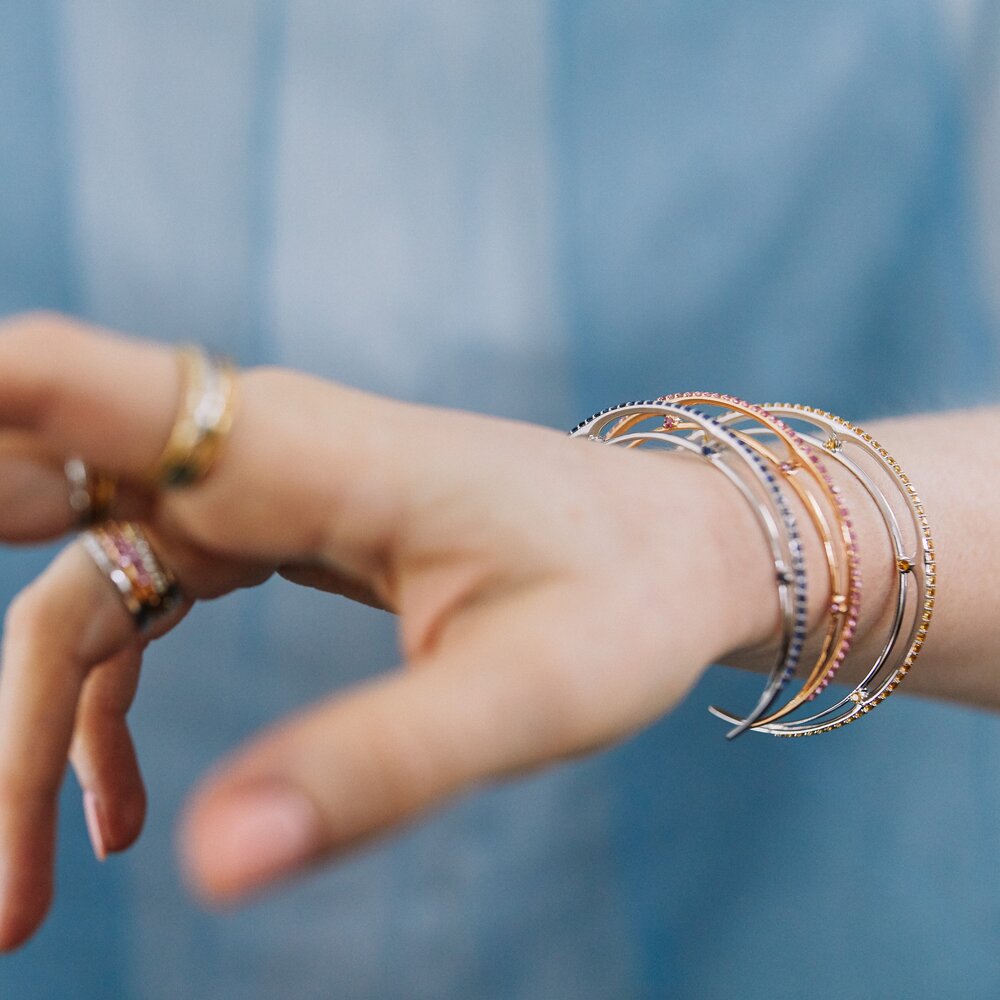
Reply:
x=70, y=384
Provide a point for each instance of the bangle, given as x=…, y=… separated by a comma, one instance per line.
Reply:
x=916, y=572
x=746, y=430
x=845, y=572
x=620, y=425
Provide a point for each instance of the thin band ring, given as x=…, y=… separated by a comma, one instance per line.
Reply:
x=204, y=418
x=91, y=493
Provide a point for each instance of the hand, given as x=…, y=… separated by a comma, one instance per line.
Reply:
x=550, y=595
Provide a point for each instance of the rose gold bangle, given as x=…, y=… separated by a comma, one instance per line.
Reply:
x=916, y=570
x=787, y=466
x=845, y=598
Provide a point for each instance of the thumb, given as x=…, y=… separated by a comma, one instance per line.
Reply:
x=360, y=764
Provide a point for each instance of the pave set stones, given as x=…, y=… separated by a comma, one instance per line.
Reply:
x=746, y=430
x=842, y=626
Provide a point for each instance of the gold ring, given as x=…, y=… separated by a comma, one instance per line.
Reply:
x=204, y=417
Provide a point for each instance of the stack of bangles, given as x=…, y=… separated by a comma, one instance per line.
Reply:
x=773, y=451
x=122, y=550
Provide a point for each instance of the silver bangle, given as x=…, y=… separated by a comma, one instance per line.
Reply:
x=614, y=426
x=843, y=563
x=916, y=573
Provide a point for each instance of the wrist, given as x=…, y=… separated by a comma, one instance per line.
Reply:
x=753, y=590
x=725, y=560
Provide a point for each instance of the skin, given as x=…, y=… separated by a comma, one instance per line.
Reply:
x=543, y=588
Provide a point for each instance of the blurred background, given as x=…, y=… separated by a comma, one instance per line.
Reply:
x=536, y=208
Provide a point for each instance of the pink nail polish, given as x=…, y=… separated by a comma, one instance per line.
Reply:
x=92, y=814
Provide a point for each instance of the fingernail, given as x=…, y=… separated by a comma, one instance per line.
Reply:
x=92, y=814
x=263, y=832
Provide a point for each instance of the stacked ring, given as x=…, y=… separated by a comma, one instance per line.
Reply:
x=205, y=415
x=123, y=553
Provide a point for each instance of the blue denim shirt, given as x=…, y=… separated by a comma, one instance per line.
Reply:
x=531, y=208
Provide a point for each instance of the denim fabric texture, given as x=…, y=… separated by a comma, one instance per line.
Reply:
x=536, y=209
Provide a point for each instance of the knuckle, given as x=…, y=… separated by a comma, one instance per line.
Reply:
x=340, y=476
x=28, y=623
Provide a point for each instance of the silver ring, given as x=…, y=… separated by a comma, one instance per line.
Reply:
x=91, y=493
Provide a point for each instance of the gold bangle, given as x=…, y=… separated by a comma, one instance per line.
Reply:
x=917, y=567
x=844, y=601
x=752, y=428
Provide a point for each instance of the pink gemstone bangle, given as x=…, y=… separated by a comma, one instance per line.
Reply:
x=916, y=571
x=804, y=434
x=843, y=561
